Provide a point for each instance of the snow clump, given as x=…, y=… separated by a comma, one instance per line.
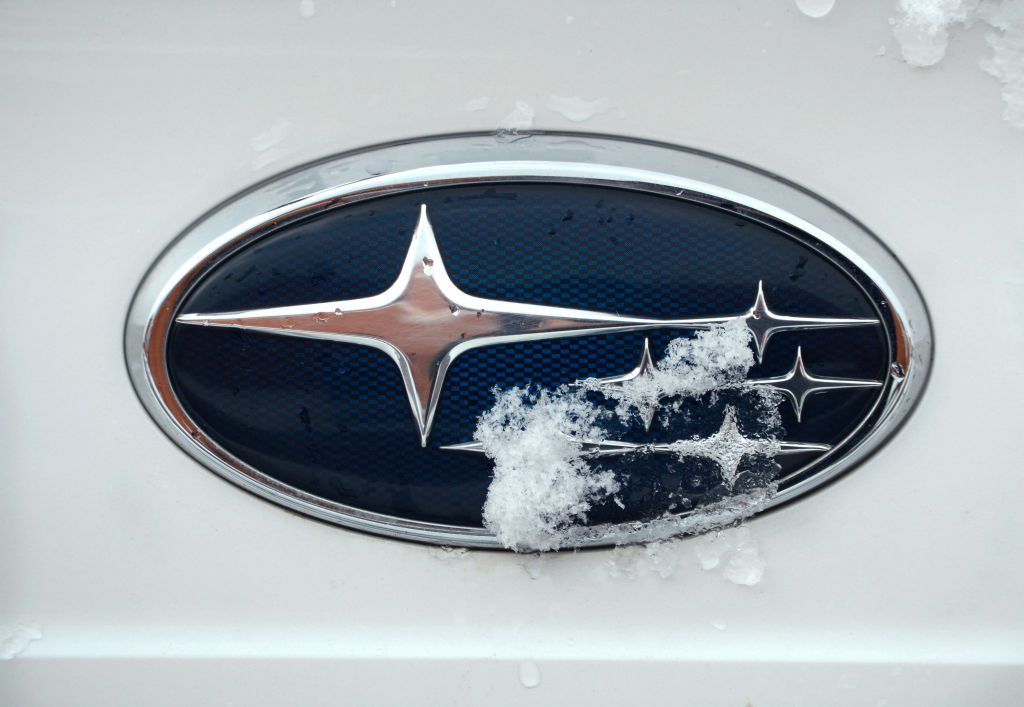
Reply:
x=1007, y=62
x=689, y=368
x=923, y=29
x=541, y=481
x=542, y=443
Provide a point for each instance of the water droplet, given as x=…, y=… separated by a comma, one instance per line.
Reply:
x=289, y=323
x=427, y=262
x=478, y=314
x=529, y=674
x=815, y=8
x=898, y=371
x=322, y=317
x=337, y=311
x=454, y=309
x=377, y=167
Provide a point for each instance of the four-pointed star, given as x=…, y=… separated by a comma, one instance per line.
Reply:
x=423, y=322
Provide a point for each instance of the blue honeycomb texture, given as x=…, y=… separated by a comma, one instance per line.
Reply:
x=332, y=419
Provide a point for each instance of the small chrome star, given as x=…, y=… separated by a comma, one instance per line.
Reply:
x=648, y=405
x=798, y=384
x=763, y=322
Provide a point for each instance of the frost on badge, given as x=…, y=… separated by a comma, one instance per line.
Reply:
x=565, y=470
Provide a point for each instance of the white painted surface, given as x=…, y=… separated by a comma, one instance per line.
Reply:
x=154, y=582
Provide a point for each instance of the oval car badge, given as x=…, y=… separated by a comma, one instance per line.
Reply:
x=561, y=340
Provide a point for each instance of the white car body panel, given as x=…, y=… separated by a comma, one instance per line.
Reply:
x=153, y=581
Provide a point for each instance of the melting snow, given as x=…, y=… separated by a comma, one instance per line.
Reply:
x=733, y=551
x=727, y=447
x=521, y=118
x=533, y=564
x=267, y=145
x=547, y=476
x=577, y=109
x=923, y=29
x=1007, y=62
x=529, y=674
x=24, y=633
x=447, y=554
x=690, y=367
x=815, y=8
x=634, y=561
x=274, y=136
x=542, y=484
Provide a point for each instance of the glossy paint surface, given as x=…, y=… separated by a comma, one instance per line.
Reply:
x=155, y=582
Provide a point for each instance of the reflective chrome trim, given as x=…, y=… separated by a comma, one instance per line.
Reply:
x=589, y=449
x=614, y=448
x=551, y=157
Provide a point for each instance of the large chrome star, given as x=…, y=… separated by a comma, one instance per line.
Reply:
x=423, y=322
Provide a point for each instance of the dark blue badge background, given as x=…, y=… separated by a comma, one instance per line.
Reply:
x=332, y=419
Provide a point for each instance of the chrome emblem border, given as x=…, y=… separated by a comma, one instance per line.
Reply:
x=542, y=157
